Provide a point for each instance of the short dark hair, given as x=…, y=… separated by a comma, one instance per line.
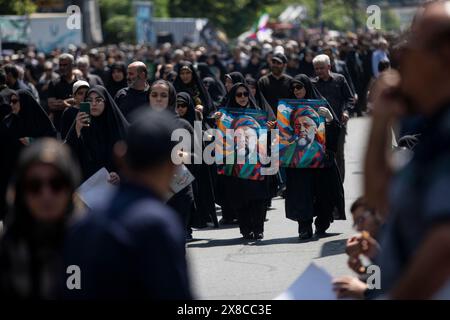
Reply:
x=11, y=69
x=149, y=142
x=360, y=202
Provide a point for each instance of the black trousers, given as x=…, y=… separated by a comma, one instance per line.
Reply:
x=251, y=215
x=340, y=158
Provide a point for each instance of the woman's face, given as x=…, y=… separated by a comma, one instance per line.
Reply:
x=47, y=193
x=186, y=76
x=97, y=104
x=15, y=104
x=80, y=95
x=299, y=91
x=159, y=96
x=117, y=75
x=228, y=84
x=242, y=96
x=181, y=109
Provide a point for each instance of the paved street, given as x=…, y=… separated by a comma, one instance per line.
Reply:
x=222, y=266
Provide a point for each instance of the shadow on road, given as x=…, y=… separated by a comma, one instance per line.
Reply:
x=332, y=248
x=215, y=242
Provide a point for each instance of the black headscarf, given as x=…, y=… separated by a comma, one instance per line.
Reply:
x=196, y=88
x=95, y=145
x=216, y=89
x=236, y=77
x=311, y=91
x=260, y=100
x=231, y=98
x=112, y=85
x=185, y=98
x=31, y=121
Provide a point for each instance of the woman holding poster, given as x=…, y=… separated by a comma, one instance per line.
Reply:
x=314, y=190
x=243, y=188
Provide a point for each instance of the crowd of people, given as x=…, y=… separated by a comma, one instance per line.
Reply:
x=138, y=95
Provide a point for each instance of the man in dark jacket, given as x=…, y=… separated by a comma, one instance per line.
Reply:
x=133, y=246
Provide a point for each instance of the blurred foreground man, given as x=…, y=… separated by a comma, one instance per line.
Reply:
x=415, y=247
x=133, y=248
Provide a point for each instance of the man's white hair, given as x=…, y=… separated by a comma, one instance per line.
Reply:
x=67, y=56
x=321, y=59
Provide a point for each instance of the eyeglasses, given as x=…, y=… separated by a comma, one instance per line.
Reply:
x=13, y=101
x=298, y=87
x=35, y=185
x=96, y=101
x=242, y=94
x=181, y=105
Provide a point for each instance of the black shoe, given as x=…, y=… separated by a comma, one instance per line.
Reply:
x=305, y=235
x=320, y=232
x=248, y=236
x=305, y=232
x=259, y=236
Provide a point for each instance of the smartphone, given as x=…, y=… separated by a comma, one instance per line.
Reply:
x=86, y=107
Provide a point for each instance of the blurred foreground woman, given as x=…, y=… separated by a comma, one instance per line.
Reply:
x=31, y=245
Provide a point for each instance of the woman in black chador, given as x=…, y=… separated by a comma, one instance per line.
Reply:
x=22, y=121
x=247, y=198
x=188, y=81
x=315, y=192
x=92, y=136
x=203, y=184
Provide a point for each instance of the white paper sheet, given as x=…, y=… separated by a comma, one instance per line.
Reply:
x=181, y=179
x=96, y=189
x=313, y=284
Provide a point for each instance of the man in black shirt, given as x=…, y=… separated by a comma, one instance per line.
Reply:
x=136, y=94
x=334, y=88
x=276, y=85
x=61, y=89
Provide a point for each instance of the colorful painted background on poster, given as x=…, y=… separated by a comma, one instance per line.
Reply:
x=246, y=120
x=302, y=133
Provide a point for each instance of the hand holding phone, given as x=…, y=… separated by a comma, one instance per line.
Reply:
x=83, y=118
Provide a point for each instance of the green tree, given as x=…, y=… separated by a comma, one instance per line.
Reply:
x=233, y=16
x=17, y=7
x=117, y=20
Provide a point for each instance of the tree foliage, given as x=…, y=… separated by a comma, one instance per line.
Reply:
x=22, y=7
x=233, y=16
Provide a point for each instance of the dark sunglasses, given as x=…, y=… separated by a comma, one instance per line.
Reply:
x=13, y=101
x=298, y=87
x=181, y=105
x=35, y=185
x=242, y=94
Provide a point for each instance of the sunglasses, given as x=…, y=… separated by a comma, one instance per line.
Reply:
x=35, y=185
x=242, y=94
x=14, y=101
x=181, y=105
x=298, y=87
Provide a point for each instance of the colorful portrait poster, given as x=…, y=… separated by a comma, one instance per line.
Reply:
x=302, y=133
x=241, y=131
